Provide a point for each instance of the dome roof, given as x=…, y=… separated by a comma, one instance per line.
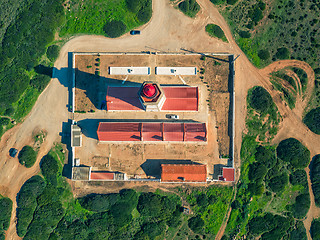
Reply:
x=149, y=90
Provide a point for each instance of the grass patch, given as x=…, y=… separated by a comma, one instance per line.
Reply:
x=215, y=31
x=288, y=95
x=25, y=103
x=90, y=17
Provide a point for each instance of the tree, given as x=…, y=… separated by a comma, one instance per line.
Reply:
x=299, y=177
x=260, y=99
x=196, y=224
x=27, y=156
x=99, y=202
x=278, y=183
x=301, y=207
x=5, y=209
x=315, y=229
x=49, y=168
x=53, y=52
x=264, y=54
x=299, y=232
x=292, y=151
x=244, y=34
x=315, y=178
x=312, y=120
x=282, y=53
x=257, y=172
x=40, y=82
x=114, y=28
x=266, y=156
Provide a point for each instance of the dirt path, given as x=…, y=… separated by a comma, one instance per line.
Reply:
x=168, y=30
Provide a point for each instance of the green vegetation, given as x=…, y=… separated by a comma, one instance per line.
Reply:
x=303, y=77
x=287, y=85
x=5, y=216
x=27, y=156
x=315, y=229
x=22, y=47
x=196, y=224
x=267, y=205
x=287, y=21
x=292, y=151
x=215, y=31
x=189, y=7
x=263, y=117
x=315, y=178
x=312, y=120
x=96, y=17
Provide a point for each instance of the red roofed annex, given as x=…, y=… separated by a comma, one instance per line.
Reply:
x=183, y=173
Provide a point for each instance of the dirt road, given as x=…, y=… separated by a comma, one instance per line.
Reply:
x=168, y=30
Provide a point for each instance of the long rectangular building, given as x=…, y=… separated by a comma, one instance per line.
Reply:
x=147, y=131
x=183, y=173
x=176, y=71
x=129, y=70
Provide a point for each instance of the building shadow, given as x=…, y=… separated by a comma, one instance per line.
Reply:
x=217, y=170
x=152, y=168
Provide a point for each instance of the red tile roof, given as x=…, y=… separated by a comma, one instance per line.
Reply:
x=228, y=174
x=180, y=99
x=183, y=173
x=102, y=176
x=126, y=131
x=177, y=99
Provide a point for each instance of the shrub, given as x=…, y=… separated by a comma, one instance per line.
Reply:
x=244, y=34
x=266, y=156
x=9, y=111
x=315, y=229
x=196, y=224
x=264, y=54
x=292, y=151
x=5, y=209
x=278, y=183
x=231, y=2
x=260, y=99
x=99, y=202
x=282, y=53
x=4, y=121
x=256, y=188
x=40, y=82
x=218, y=2
x=312, y=120
x=299, y=177
x=315, y=178
x=134, y=5
x=189, y=7
x=257, y=171
x=215, y=31
x=53, y=52
x=114, y=28
x=27, y=156
x=145, y=12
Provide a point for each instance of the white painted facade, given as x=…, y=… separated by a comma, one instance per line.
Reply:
x=176, y=71
x=129, y=70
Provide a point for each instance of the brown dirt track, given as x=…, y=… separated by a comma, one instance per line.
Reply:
x=168, y=30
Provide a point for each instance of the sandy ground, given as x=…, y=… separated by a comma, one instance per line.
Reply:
x=168, y=30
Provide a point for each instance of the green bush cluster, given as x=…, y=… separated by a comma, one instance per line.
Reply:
x=315, y=229
x=299, y=177
x=189, y=7
x=24, y=43
x=269, y=226
x=27, y=156
x=49, y=169
x=215, y=31
x=40, y=82
x=292, y=151
x=5, y=216
x=4, y=121
x=315, y=178
x=303, y=77
x=143, y=9
x=301, y=206
x=282, y=53
x=260, y=99
x=27, y=202
x=312, y=120
x=196, y=224
x=263, y=54
x=298, y=232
